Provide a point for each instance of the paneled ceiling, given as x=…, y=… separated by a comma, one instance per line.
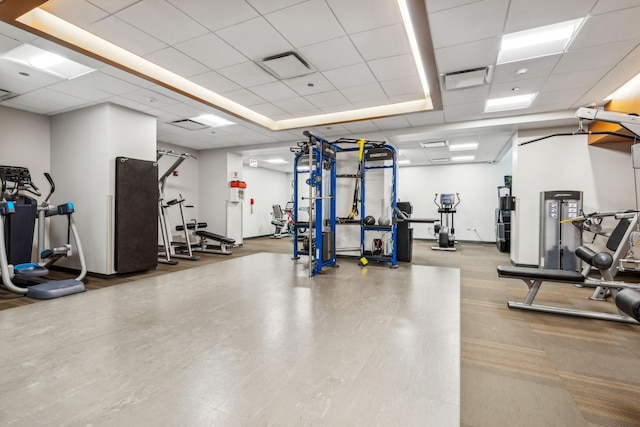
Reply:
x=359, y=57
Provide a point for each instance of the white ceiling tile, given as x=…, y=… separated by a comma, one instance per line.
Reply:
x=331, y=54
x=127, y=77
x=609, y=28
x=360, y=127
x=216, y=14
x=215, y=82
x=393, y=67
x=425, y=118
x=469, y=55
x=353, y=75
x=468, y=23
x=149, y=98
x=393, y=122
x=17, y=84
x=58, y=100
x=406, y=86
x=462, y=112
x=575, y=79
x=537, y=67
x=107, y=83
x=566, y=97
x=604, y=6
x=247, y=74
x=211, y=51
x=35, y=77
x=327, y=99
x=7, y=43
x=438, y=5
x=267, y=109
x=302, y=84
x=244, y=97
x=382, y=42
x=80, y=13
x=396, y=99
x=295, y=105
x=523, y=17
x=337, y=108
x=256, y=39
x=363, y=15
x=113, y=6
x=268, y=6
x=177, y=62
x=125, y=36
x=293, y=23
x=183, y=110
x=169, y=24
x=583, y=59
x=358, y=94
x=274, y=91
x=16, y=33
x=526, y=86
x=163, y=116
x=85, y=89
x=465, y=96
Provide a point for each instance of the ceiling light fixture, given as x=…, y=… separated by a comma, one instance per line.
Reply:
x=440, y=160
x=277, y=161
x=413, y=42
x=404, y=162
x=509, y=103
x=463, y=158
x=51, y=63
x=537, y=42
x=434, y=144
x=212, y=120
x=464, y=147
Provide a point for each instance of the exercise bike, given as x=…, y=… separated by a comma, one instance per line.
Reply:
x=446, y=209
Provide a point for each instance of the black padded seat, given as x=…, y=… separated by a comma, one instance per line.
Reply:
x=548, y=275
x=216, y=237
x=628, y=301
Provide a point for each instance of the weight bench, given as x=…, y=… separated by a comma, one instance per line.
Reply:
x=534, y=277
x=203, y=245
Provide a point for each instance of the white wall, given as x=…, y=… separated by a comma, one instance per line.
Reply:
x=477, y=184
x=25, y=141
x=267, y=188
x=603, y=173
x=84, y=144
x=185, y=184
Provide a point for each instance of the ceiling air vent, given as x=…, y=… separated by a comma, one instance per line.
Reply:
x=5, y=95
x=190, y=124
x=286, y=65
x=467, y=78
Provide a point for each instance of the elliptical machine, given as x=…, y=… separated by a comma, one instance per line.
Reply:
x=19, y=213
x=446, y=208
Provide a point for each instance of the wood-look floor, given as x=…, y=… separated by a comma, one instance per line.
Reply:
x=518, y=368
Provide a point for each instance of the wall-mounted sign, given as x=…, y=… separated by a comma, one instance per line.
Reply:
x=253, y=163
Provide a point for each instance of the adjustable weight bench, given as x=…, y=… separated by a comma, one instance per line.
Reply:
x=534, y=277
x=203, y=245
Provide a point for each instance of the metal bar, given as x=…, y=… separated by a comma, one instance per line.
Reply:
x=573, y=312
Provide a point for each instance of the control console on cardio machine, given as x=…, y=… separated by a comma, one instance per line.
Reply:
x=446, y=208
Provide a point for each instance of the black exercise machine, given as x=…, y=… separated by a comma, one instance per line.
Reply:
x=446, y=209
x=221, y=245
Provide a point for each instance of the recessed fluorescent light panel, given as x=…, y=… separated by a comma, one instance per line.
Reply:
x=276, y=161
x=440, y=160
x=509, y=103
x=463, y=147
x=463, y=158
x=537, y=42
x=51, y=63
x=433, y=144
x=404, y=162
x=212, y=120
x=413, y=42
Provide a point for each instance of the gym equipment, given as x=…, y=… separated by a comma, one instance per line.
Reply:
x=446, y=209
x=384, y=221
x=278, y=221
x=558, y=238
x=628, y=301
x=405, y=231
x=168, y=252
x=315, y=158
x=136, y=210
x=18, y=212
x=369, y=220
x=204, y=245
x=506, y=204
x=604, y=262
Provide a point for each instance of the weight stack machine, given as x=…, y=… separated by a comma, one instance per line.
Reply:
x=559, y=238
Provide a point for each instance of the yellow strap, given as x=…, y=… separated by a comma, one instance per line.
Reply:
x=361, y=144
